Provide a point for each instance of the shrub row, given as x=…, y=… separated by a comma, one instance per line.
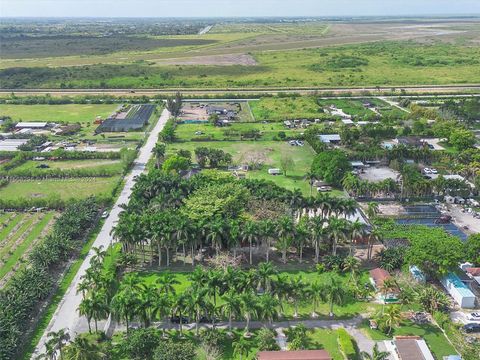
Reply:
x=346, y=344
x=22, y=297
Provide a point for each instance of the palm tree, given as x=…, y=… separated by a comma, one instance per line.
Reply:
x=316, y=226
x=215, y=233
x=166, y=283
x=351, y=264
x=310, y=177
x=124, y=305
x=214, y=281
x=56, y=342
x=285, y=231
x=373, y=237
x=376, y=355
x=392, y=317
x=265, y=272
x=147, y=300
x=267, y=229
x=268, y=308
x=248, y=304
x=160, y=309
x=159, y=153
x=250, y=233
x=83, y=349
x=315, y=293
x=386, y=287
x=240, y=348
x=180, y=305
x=337, y=229
x=357, y=232
x=86, y=309
x=231, y=306
x=372, y=210
x=99, y=307
x=196, y=303
x=297, y=292
x=334, y=292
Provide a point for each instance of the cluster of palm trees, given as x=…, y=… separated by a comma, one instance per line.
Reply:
x=363, y=188
x=229, y=294
x=318, y=223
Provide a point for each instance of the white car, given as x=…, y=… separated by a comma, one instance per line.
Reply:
x=293, y=142
x=427, y=171
x=474, y=316
x=198, y=133
x=105, y=215
x=434, y=171
x=300, y=143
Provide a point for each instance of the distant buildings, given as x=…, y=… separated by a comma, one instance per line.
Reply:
x=330, y=138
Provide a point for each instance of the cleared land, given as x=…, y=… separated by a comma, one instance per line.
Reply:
x=267, y=153
x=63, y=189
x=278, y=109
x=18, y=233
x=110, y=166
x=68, y=113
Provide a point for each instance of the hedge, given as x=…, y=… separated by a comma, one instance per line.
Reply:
x=346, y=344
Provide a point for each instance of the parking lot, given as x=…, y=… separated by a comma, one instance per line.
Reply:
x=375, y=174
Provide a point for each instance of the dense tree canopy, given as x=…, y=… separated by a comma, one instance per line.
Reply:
x=331, y=166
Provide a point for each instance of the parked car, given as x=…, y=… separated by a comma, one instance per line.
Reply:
x=434, y=171
x=293, y=143
x=474, y=316
x=471, y=328
x=176, y=320
x=104, y=214
x=300, y=143
x=431, y=147
x=427, y=171
x=198, y=133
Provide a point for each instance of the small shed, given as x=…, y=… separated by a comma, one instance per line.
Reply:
x=330, y=138
x=274, y=171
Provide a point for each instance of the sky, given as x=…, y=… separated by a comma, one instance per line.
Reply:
x=230, y=8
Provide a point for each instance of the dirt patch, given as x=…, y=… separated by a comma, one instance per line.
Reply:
x=222, y=60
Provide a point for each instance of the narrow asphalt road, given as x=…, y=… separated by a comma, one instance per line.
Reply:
x=66, y=316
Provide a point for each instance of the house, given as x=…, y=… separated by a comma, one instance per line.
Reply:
x=31, y=125
x=330, y=138
x=460, y=292
x=347, y=122
x=11, y=144
x=411, y=348
x=216, y=110
x=377, y=278
x=294, y=355
x=413, y=141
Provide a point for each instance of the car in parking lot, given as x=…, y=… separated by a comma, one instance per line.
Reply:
x=474, y=316
x=427, y=171
x=471, y=328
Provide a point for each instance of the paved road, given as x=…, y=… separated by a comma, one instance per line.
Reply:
x=265, y=90
x=66, y=315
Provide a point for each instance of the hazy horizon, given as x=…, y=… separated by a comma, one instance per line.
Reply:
x=235, y=8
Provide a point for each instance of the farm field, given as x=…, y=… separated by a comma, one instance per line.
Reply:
x=63, y=189
x=279, y=109
x=269, y=152
x=18, y=233
x=386, y=63
x=68, y=113
x=268, y=132
x=108, y=166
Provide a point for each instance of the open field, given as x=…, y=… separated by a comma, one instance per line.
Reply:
x=69, y=113
x=268, y=132
x=279, y=109
x=269, y=153
x=19, y=232
x=63, y=189
x=108, y=166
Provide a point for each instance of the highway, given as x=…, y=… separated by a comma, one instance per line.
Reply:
x=66, y=316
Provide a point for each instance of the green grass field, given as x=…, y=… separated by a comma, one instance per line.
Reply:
x=268, y=132
x=110, y=165
x=69, y=113
x=270, y=152
x=279, y=109
x=324, y=339
x=20, y=232
x=64, y=189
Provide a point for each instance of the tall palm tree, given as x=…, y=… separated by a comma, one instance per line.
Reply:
x=267, y=229
x=166, y=283
x=214, y=281
x=372, y=209
x=297, y=292
x=99, y=307
x=265, y=272
x=179, y=308
x=231, y=306
x=268, y=308
x=351, y=265
x=373, y=237
x=161, y=308
x=386, y=287
x=317, y=231
x=248, y=304
x=83, y=349
x=159, y=153
x=315, y=294
x=86, y=309
x=124, y=305
x=376, y=354
x=334, y=292
x=285, y=232
x=337, y=229
x=56, y=342
x=147, y=299
x=196, y=302
x=310, y=177
x=215, y=233
x=250, y=234
x=357, y=232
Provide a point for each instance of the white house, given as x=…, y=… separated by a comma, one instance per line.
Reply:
x=460, y=292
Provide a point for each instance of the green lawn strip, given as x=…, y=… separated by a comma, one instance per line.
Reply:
x=65, y=113
x=279, y=109
x=227, y=346
x=114, y=165
x=20, y=231
x=434, y=337
x=10, y=225
x=325, y=339
x=65, y=282
x=19, y=251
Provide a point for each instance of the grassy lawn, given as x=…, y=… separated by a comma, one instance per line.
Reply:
x=110, y=165
x=68, y=113
x=325, y=339
x=279, y=109
x=31, y=235
x=350, y=309
x=270, y=152
x=437, y=342
x=65, y=189
x=351, y=107
x=268, y=132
